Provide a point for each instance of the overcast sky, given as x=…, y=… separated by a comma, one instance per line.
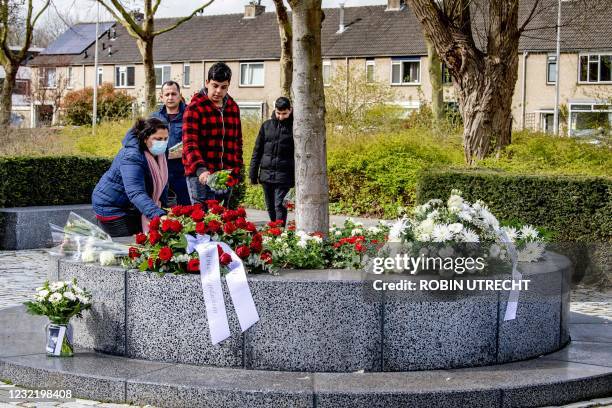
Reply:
x=85, y=10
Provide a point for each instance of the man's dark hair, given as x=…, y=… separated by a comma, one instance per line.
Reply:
x=143, y=128
x=220, y=72
x=282, y=103
x=172, y=83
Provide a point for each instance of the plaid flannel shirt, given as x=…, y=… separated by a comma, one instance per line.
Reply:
x=212, y=136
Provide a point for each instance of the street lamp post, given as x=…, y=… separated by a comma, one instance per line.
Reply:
x=94, y=116
x=557, y=65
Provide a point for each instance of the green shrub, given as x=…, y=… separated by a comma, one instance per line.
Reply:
x=112, y=105
x=60, y=180
x=575, y=208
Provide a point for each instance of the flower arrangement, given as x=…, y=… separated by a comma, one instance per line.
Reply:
x=222, y=180
x=164, y=248
x=460, y=228
x=59, y=301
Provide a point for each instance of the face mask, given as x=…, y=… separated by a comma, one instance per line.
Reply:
x=159, y=147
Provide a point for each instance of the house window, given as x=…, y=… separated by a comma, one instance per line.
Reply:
x=252, y=74
x=327, y=72
x=70, y=77
x=406, y=72
x=251, y=110
x=591, y=119
x=370, y=65
x=22, y=87
x=162, y=74
x=124, y=77
x=48, y=78
x=100, y=76
x=447, y=79
x=186, y=75
x=595, y=68
x=551, y=69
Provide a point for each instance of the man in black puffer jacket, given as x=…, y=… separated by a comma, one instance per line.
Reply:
x=272, y=164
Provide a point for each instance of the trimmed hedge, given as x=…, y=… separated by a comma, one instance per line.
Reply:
x=574, y=208
x=40, y=181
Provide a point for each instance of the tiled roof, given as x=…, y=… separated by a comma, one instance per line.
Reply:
x=371, y=31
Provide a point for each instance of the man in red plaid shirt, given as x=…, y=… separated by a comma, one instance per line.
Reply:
x=212, y=135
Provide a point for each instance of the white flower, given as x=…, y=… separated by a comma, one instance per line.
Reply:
x=40, y=288
x=374, y=230
x=338, y=233
x=356, y=231
x=494, y=251
x=455, y=203
x=488, y=218
x=426, y=227
x=83, y=299
x=55, y=286
x=317, y=239
x=395, y=233
x=433, y=215
x=465, y=215
x=441, y=233
x=88, y=256
x=302, y=243
x=469, y=236
x=455, y=228
x=55, y=298
x=511, y=233
x=284, y=234
x=69, y=295
x=529, y=232
x=531, y=253
x=43, y=293
x=107, y=258
x=77, y=290
x=266, y=239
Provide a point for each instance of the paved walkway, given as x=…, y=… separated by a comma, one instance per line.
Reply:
x=22, y=271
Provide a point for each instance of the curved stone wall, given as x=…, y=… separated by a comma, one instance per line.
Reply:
x=324, y=321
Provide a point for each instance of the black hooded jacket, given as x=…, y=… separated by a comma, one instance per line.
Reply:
x=272, y=160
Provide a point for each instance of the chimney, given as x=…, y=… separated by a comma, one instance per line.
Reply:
x=341, y=26
x=395, y=5
x=253, y=9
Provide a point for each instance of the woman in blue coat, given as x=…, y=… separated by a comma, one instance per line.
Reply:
x=135, y=188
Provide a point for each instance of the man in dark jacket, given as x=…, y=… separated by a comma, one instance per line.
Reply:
x=212, y=135
x=172, y=113
x=272, y=164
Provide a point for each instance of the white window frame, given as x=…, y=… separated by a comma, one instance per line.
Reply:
x=44, y=79
x=370, y=63
x=100, y=76
x=123, y=69
x=586, y=106
x=243, y=84
x=186, y=66
x=550, y=60
x=401, y=62
x=252, y=105
x=326, y=63
x=70, y=74
x=163, y=79
x=589, y=55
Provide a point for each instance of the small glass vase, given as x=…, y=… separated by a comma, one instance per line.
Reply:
x=55, y=334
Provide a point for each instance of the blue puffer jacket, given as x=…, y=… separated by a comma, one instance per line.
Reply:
x=128, y=185
x=175, y=126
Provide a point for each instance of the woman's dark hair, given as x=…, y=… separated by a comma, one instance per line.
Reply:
x=143, y=128
x=220, y=72
x=282, y=103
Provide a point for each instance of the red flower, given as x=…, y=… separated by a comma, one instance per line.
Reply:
x=198, y=215
x=275, y=231
x=229, y=215
x=241, y=223
x=154, y=224
x=318, y=234
x=243, y=251
x=212, y=203
x=193, y=265
x=266, y=257
x=219, y=250
x=165, y=254
x=250, y=227
x=291, y=227
x=177, y=210
x=225, y=259
x=231, y=181
x=151, y=263
x=213, y=226
x=216, y=209
x=176, y=226
x=241, y=212
x=167, y=225
x=290, y=206
x=257, y=238
x=359, y=247
x=154, y=237
x=256, y=246
x=229, y=228
x=201, y=228
x=134, y=253
x=274, y=224
x=141, y=238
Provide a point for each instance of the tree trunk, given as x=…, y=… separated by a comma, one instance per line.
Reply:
x=6, y=98
x=286, y=38
x=312, y=191
x=146, y=50
x=435, y=78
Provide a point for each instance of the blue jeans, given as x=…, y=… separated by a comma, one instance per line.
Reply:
x=199, y=193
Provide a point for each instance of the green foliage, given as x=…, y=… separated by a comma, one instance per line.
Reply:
x=574, y=208
x=112, y=105
x=32, y=181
